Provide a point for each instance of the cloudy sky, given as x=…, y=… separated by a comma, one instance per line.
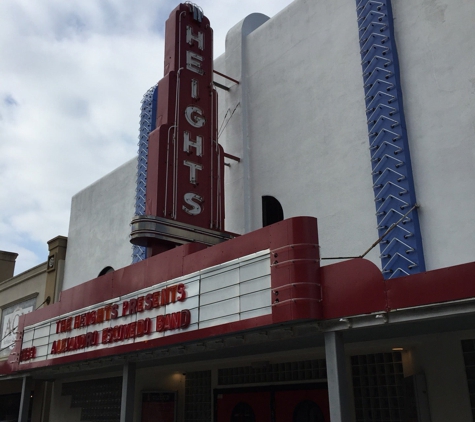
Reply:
x=72, y=75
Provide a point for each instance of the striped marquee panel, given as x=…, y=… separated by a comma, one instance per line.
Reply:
x=234, y=291
x=393, y=184
x=189, y=293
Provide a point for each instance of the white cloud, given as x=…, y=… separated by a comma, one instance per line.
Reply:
x=73, y=74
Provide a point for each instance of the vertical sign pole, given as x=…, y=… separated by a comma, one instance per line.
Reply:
x=25, y=399
x=128, y=393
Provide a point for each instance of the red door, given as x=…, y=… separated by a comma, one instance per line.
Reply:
x=296, y=405
x=244, y=407
x=306, y=405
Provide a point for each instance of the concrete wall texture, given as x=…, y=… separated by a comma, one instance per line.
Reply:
x=434, y=40
x=99, y=226
x=302, y=124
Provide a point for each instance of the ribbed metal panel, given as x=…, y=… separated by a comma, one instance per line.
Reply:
x=394, y=194
x=147, y=124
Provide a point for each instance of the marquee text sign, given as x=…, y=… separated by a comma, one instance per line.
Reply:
x=10, y=318
x=233, y=291
x=121, y=332
x=185, y=162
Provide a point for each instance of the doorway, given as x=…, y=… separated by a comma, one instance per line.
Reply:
x=295, y=403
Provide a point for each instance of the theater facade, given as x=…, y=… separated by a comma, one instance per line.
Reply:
x=283, y=267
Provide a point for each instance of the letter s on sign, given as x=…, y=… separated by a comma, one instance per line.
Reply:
x=192, y=199
x=181, y=292
x=194, y=116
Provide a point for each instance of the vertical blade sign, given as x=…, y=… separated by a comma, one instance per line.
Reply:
x=185, y=162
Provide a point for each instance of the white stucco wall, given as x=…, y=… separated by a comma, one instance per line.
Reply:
x=436, y=44
x=99, y=226
x=300, y=127
x=440, y=359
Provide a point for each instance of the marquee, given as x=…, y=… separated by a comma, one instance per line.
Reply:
x=189, y=293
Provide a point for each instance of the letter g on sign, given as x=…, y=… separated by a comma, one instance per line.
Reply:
x=194, y=116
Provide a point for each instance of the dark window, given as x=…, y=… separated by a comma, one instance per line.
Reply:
x=106, y=270
x=98, y=399
x=468, y=348
x=9, y=406
x=272, y=211
x=380, y=390
x=198, y=396
x=307, y=411
x=285, y=371
x=243, y=412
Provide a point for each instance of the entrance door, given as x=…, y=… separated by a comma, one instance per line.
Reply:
x=305, y=405
x=244, y=407
x=274, y=405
